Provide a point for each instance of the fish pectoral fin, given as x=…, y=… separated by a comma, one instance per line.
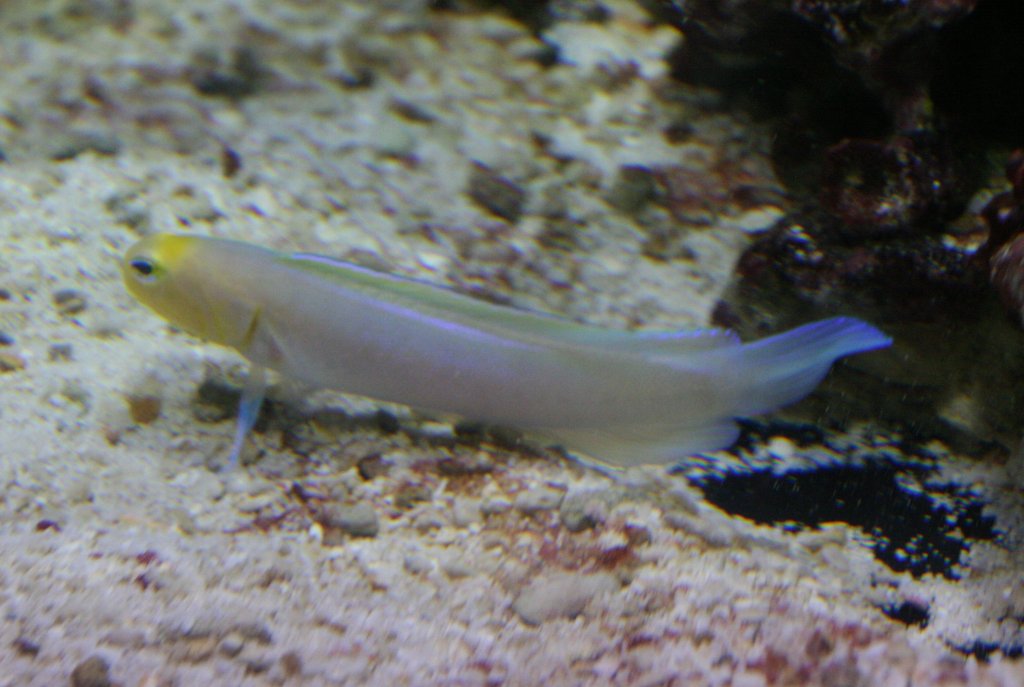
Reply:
x=645, y=444
x=261, y=344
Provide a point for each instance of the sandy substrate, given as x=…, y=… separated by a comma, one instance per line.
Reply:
x=363, y=547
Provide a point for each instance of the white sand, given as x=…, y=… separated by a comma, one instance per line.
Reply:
x=121, y=539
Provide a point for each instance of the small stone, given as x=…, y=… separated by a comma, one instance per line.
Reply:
x=760, y=219
x=257, y=665
x=92, y=672
x=409, y=495
x=465, y=512
x=393, y=139
x=462, y=464
x=411, y=112
x=358, y=520
x=429, y=520
x=230, y=162
x=11, y=362
x=537, y=500
x=232, y=645
x=495, y=506
x=634, y=188
x=61, y=352
x=495, y=193
x=255, y=631
x=26, y=647
x=561, y=595
x=144, y=408
x=73, y=144
x=79, y=491
x=69, y=301
x=581, y=510
x=125, y=637
x=244, y=77
x=291, y=664
x=715, y=531
x=417, y=564
x=373, y=466
x=199, y=484
x=386, y=422
x=456, y=568
x=257, y=502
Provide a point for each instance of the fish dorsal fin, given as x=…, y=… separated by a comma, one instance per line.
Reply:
x=663, y=343
x=444, y=302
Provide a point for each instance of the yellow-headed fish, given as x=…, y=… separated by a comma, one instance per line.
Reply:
x=621, y=397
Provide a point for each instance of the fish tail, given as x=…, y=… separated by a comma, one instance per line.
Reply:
x=782, y=369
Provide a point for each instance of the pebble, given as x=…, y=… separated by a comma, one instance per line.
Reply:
x=258, y=502
x=26, y=646
x=358, y=520
x=417, y=564
x=200, y=484
x=144, y=408
x=715, y=531
x=430, y=519
x=69, y=301
x=456, y=568
x=465, y=512
x=60, y=353
x=757, y=220
x=585, y=509
x=232, y=645
x=11, y=362
x=495, y=506
x=561, y=595
x=291, y=664
x=496, y=194
x=73, y=144
x=539, y=499
x=92, y=672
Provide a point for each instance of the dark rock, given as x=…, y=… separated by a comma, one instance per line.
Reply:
x=1004, y=216
x=243, y=78
x=69, y=301
x=144, y=408
x=634, y=187
x=26, y=647
x=372, y=466
x=58, y=352
x=495, y=193
x=901, y=185
x=230, y=162
x=291, y=664
x=74, y=144
x=359, y=520
x=92, y=672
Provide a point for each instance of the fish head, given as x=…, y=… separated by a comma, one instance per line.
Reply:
x=187, y=280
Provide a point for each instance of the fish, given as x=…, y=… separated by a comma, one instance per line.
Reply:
x=619, y=397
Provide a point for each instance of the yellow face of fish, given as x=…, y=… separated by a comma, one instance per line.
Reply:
x=160, y=272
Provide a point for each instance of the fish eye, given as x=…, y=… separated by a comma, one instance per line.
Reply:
x=144, y=268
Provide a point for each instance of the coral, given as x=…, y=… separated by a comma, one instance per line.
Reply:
x=886, y=187
x=1004, y=216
